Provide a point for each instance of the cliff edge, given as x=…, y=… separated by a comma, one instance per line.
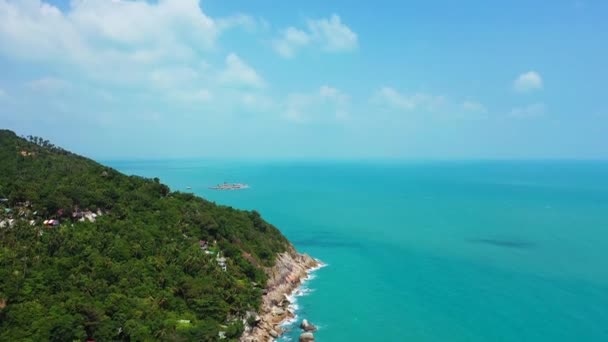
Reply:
x=290, y=269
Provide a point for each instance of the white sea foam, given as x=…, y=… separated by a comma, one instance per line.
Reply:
x=300, y=291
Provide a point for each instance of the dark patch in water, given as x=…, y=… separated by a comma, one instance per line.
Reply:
x=505, y=243
x=326, y=240
x=325, y=243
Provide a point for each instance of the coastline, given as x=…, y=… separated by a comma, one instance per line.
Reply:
x=300, y=291
x=284, y=278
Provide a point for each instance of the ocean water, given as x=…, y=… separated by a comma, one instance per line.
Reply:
x=431, y=251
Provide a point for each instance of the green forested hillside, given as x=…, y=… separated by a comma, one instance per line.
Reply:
x=137, y=273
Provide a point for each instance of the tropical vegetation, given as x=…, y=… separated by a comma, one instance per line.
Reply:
x=125, y=261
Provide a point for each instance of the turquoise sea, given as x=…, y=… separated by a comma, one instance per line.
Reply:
x=431, y=251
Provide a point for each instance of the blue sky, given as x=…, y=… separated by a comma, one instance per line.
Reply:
x=314, y=79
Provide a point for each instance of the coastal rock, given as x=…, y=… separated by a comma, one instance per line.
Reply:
x=307, y=337
x=307, y=326
x=277, y=311
x=284, y=277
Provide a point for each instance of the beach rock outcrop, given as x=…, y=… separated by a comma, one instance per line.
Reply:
x=307, y=337
x=283, y=278
x=277, y=311
x=307, y=326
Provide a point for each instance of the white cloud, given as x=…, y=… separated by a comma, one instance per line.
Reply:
x=535, y=110
x=240, y=20
x=296, y=107
x=169, y=77
x=140, y=22
x=528, y=82
x=333, y=34
x=433, y=106
x=93, y=30
x=48, y=84
x=326, y=104
x=392, y=98
x=474, y=107
x=255, y=102
x=144, y=51
x=291, y=40
x=333, y=94
x=467, y=110
x=111, y=40
x=193, y=96
x=239, y=74
x=330, y=35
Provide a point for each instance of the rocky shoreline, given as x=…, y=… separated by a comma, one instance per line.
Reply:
x=290, y=269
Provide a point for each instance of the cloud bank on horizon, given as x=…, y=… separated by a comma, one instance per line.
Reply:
x=168, y=78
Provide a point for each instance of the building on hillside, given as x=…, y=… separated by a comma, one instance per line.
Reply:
x=24, y=153
x=7, y=223
x=25, y=204
x=77, y=214
x=51, y=223
x=86, y=215
x=221, y=261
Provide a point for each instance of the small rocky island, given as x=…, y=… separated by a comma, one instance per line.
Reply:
x=230, y=186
